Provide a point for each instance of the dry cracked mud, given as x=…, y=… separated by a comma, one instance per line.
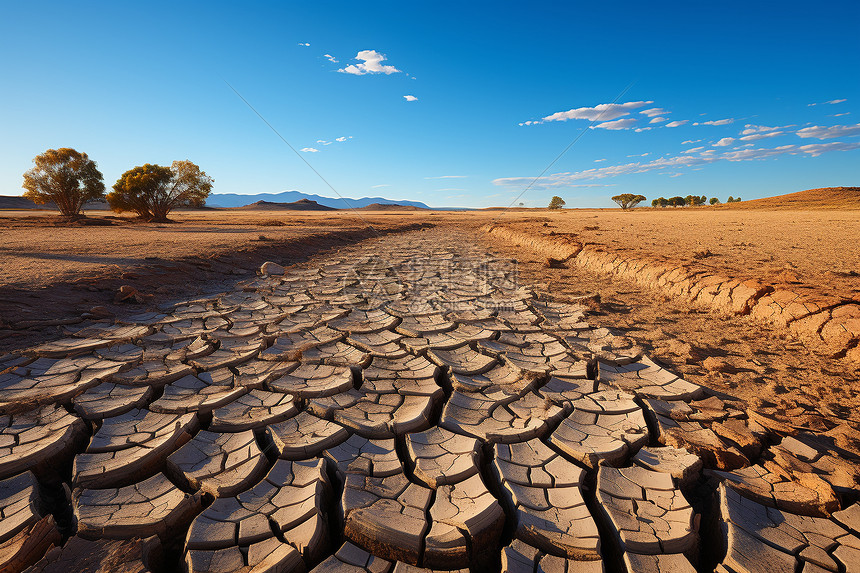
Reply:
x=403, y=404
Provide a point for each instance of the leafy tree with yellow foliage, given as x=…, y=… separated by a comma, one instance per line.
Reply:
x=65, y=176
x=152, y=191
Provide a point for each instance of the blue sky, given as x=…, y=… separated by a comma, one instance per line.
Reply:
x=711, y=99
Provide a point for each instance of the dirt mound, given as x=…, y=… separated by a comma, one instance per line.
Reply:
x=300, y=205
x=390, y=207
x=824, y=198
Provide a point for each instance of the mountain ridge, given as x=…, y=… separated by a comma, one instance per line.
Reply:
x=236, y=200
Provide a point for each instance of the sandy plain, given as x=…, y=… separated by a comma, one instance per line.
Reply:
x=50, y=273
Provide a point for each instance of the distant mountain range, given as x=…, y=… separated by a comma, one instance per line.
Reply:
x=235, y=200
x=300, y=205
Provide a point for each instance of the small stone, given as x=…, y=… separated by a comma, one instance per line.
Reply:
x=269, y=268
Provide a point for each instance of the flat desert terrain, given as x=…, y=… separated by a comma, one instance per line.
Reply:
x=519, y=385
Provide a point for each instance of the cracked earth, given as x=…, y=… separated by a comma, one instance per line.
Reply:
x=404, y=404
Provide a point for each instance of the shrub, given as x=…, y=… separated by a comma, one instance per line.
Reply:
x=556, y=203
x=714, y=201
x=628, y=200
x=65, y=176
x=152, y=191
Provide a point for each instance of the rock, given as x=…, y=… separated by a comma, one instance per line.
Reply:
x=269, y=269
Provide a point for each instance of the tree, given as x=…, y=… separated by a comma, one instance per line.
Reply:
x=655, y=202
x=65, y=176
x=628, y=200
x=730, y=199
x=714, y=201
x=677, y=201
x=152, y=191
x=556, y=203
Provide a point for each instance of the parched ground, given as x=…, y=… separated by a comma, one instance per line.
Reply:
x=426, y=397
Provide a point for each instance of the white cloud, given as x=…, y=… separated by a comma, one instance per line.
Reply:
x=410, y=98
x=657, y=119
x=693, y=150
x=448, y=177
x=831, y=132
x=451, y=189
x=330, y=58
x=750, y=128
x=654, y=111
x=831, y=102
x=757, y=136
x=726, y=121
x=309, y=150
x=342, y=139
x=323, y=142
x=841, y=114
x=675, y=174
x=688, y=160
x=305, y=44
x=816, y=149
x=378, y=186
x=640, y=154
x=599, y=160
x=641, y=129
x=726, y=141
x=603, y=111
x=689, y=141
x=371, y=63
x=757, y=153
x=625, y=123
x=676, y=123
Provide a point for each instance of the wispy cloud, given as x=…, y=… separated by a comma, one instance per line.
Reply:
x=654, y=111
x=330, y=58
x=370, y=62
x=343, y=138
x=677, y=123
x=657, y=119
x=624, y=123
x=323, y=142
x=726, y=121
x=832, y=132
x=724, y=142
x=309, y=150
x=687, y=160
x=690, y=141
x=751, y=128
x=646, y=154
x=410, y=98
x=448, y=177
x=378, y=186
x=599, y=160
x=693, y=150
x=451, y=189
x=757, y=136
x=603, y=112
x=305, y=44
x=831, y=102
